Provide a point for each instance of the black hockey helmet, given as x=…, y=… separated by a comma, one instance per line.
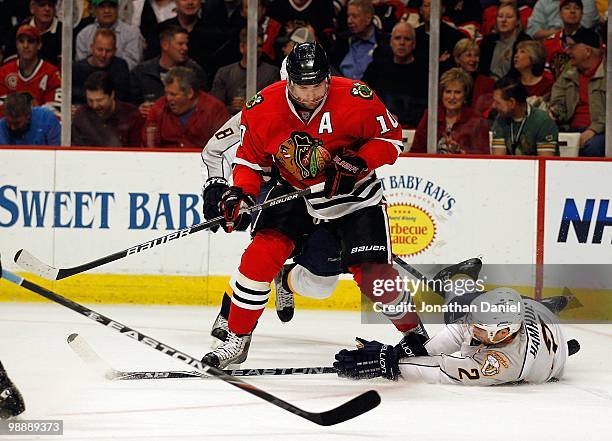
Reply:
x=307, y=64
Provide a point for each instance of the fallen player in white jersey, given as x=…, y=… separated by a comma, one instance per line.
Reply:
x=503, y=339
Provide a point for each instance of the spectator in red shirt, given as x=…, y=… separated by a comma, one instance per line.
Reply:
x=529, y=62
x=185, y=116
x=29, y=73
x=460, y=129
x=105, y=121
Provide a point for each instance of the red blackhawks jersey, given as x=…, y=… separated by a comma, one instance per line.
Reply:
x=351, y=117
x=43, y=84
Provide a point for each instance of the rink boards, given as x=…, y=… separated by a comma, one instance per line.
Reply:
x=69, y=206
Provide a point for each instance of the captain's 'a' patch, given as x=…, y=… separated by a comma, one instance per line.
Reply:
x=253, y=101
x=362, y=91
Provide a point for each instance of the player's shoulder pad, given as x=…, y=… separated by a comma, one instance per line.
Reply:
x=267, y=93
x=355, y=88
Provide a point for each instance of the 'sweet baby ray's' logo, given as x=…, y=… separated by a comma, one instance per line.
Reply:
x=418, y=210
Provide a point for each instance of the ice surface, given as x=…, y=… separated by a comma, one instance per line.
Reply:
x=58, y=385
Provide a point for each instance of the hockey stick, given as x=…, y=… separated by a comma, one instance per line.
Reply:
x=28, y=262
x=355, y=407
x=85, y=352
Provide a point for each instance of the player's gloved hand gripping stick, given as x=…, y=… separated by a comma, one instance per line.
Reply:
x=31, y=264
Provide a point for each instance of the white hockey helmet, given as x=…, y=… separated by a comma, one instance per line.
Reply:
x=494, y=311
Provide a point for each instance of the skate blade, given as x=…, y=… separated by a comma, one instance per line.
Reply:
x=234, y=366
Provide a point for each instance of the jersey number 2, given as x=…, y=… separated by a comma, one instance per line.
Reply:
x=472, y=375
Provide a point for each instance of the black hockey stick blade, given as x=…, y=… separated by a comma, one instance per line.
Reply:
x=351, y=409
x=28, y=262
x=85, y=352
x=357, y=406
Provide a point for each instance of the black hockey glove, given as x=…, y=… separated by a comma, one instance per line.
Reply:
x=232, y=201
x=342, y=174
x=213, y=190
x=372, y=359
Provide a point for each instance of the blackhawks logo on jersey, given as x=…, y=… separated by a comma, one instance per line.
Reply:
x=362, y=91
x=253, y=101
x=493, y=364
x=302, y=155
x=11, y=81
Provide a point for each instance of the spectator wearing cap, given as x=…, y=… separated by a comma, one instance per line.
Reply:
x=185, y=116
x=352, y=53
x=545, y=19
x=407, y=100
x=105, y=121
x=229, y=84
x=43, y=17
x=147, y=79
x=27, y=125
x=129, y=40
x=102, y=58
x=519, y=128
x=578, y=97
x=28, y=72
x=557, y=57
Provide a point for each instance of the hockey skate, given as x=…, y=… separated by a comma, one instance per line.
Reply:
x=556, y=304
x=233, y=351
x=285, y=305
x=470, y=268
x=11, y=401
x=219, y=331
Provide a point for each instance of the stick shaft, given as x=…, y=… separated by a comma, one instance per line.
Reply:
x=348, y=410
x=261, y=372
x=54, y=274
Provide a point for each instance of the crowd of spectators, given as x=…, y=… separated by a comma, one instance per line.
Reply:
x=169, y=73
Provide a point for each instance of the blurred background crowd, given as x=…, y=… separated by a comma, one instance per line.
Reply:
x=169, y=73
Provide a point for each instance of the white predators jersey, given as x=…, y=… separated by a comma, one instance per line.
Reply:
x=220, y=151
x=537, y=354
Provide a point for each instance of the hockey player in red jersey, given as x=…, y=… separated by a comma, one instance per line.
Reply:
x=314, y=128
x=28, y=72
